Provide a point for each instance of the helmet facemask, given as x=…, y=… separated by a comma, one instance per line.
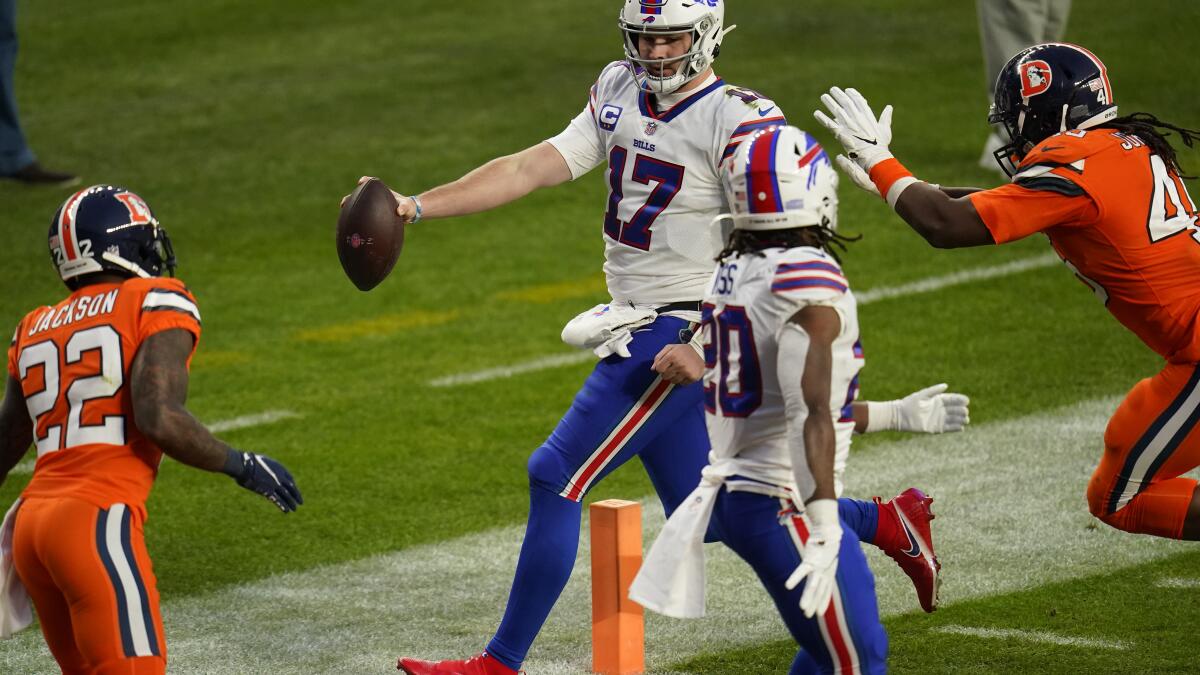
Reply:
x=701, y=21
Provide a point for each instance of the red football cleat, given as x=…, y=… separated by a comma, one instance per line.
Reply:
x=483, y=664
x=915, y=553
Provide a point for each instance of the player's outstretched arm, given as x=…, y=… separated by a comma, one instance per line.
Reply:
x=930, y=410
x=158, y=381
x=945, y=218
x=496, y=183
x=806, y=344
x=16, y=429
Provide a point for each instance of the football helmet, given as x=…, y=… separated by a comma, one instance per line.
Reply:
x=781, y=178
x=1046, y=89
x=702, y=19
x=105, y=228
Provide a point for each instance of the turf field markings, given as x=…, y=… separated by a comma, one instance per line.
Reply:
x=1033, y=636
x=445, y=599
x=541, y=363
x=930, y=284
x=388, y=324
x=1177, y=582
x=927, y=285
x=592, y=285
x=243, y=422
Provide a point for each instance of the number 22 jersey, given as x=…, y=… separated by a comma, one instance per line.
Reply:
x=664, y=185
x=73, y=361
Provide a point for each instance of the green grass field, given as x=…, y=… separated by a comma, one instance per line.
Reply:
x=243, y=124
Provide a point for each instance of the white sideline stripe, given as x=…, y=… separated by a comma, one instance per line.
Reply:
x=868, y=296
x=1033, y=636
x=542, y=363
x=445, y=599
x=931, y=284
x=243, y=422
x=1177, y=582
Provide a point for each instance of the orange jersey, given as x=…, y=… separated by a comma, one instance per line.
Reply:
x=73, y=362
x=1121, y=220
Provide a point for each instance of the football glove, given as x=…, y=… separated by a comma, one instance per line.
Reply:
x=819, y=559
x=856, y=174
x=929, y=410
x=261, y=474
x=854, y=125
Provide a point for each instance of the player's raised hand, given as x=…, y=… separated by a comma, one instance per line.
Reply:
x=678, y=364
x=406, y=206
x=819, y=559
x=856, y=174
x=854, y=125
x=261, y=474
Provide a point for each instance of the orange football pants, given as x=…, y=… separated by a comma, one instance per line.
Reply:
x=90, y=579
x=1150, y=441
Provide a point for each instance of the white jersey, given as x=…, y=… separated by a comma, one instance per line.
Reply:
x=664, y=178
x=750, y=300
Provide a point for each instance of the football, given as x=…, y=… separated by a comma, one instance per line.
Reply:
x=370, y=234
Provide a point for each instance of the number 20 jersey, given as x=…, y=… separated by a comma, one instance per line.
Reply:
x=73, y=361
x=750, y=300
x=664, y=183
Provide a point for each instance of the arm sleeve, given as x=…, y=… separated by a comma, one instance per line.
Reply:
x=580, y=144
x=1015, y=211
x=168, y=305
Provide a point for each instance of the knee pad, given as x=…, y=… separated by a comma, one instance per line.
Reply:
x=547, y=470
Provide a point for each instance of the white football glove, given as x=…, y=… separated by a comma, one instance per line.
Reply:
x=854, y=125
x=856, y=174
x=929, y=411
x=819, y=559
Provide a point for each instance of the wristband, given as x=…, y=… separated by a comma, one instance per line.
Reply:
x=416, y=205
x=882, y=416
x=891, y=178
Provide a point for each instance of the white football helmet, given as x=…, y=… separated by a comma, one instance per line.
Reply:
x=781, y=178
x=702, y=19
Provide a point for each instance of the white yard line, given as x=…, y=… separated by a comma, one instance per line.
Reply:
x=541, y=363
x=1177, y=582
x=868, y=296
x=445, y=599
x=243, y=422
x=1033, y=636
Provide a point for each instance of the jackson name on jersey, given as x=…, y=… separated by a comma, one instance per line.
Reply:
x=663, y=177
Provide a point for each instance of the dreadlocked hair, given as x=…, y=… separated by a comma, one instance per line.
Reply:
x=753, y=242
x=1153, y=132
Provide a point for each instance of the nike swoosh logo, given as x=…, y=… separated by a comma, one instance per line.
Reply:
x=913, y=550
x=872, y=141
x=1048, y=148
x=763, y=113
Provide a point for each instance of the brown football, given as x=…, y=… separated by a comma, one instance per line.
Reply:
x=370, y=234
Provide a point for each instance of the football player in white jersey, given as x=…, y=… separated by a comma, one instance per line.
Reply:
x=782, y=356
x=664, y=123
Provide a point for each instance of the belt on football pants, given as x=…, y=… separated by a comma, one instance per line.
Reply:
x=684, y=306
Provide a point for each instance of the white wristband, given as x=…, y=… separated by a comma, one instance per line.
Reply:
x=898, y=187
x=882, y=416
x=822, y=512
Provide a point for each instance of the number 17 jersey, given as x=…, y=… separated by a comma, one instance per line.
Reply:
x=664, y=183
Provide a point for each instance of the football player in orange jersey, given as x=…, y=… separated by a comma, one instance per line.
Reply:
x=98, y=384
x=1108, y=193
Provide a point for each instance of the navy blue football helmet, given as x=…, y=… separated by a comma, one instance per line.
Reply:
x=1047, y=89
x=106, y=228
